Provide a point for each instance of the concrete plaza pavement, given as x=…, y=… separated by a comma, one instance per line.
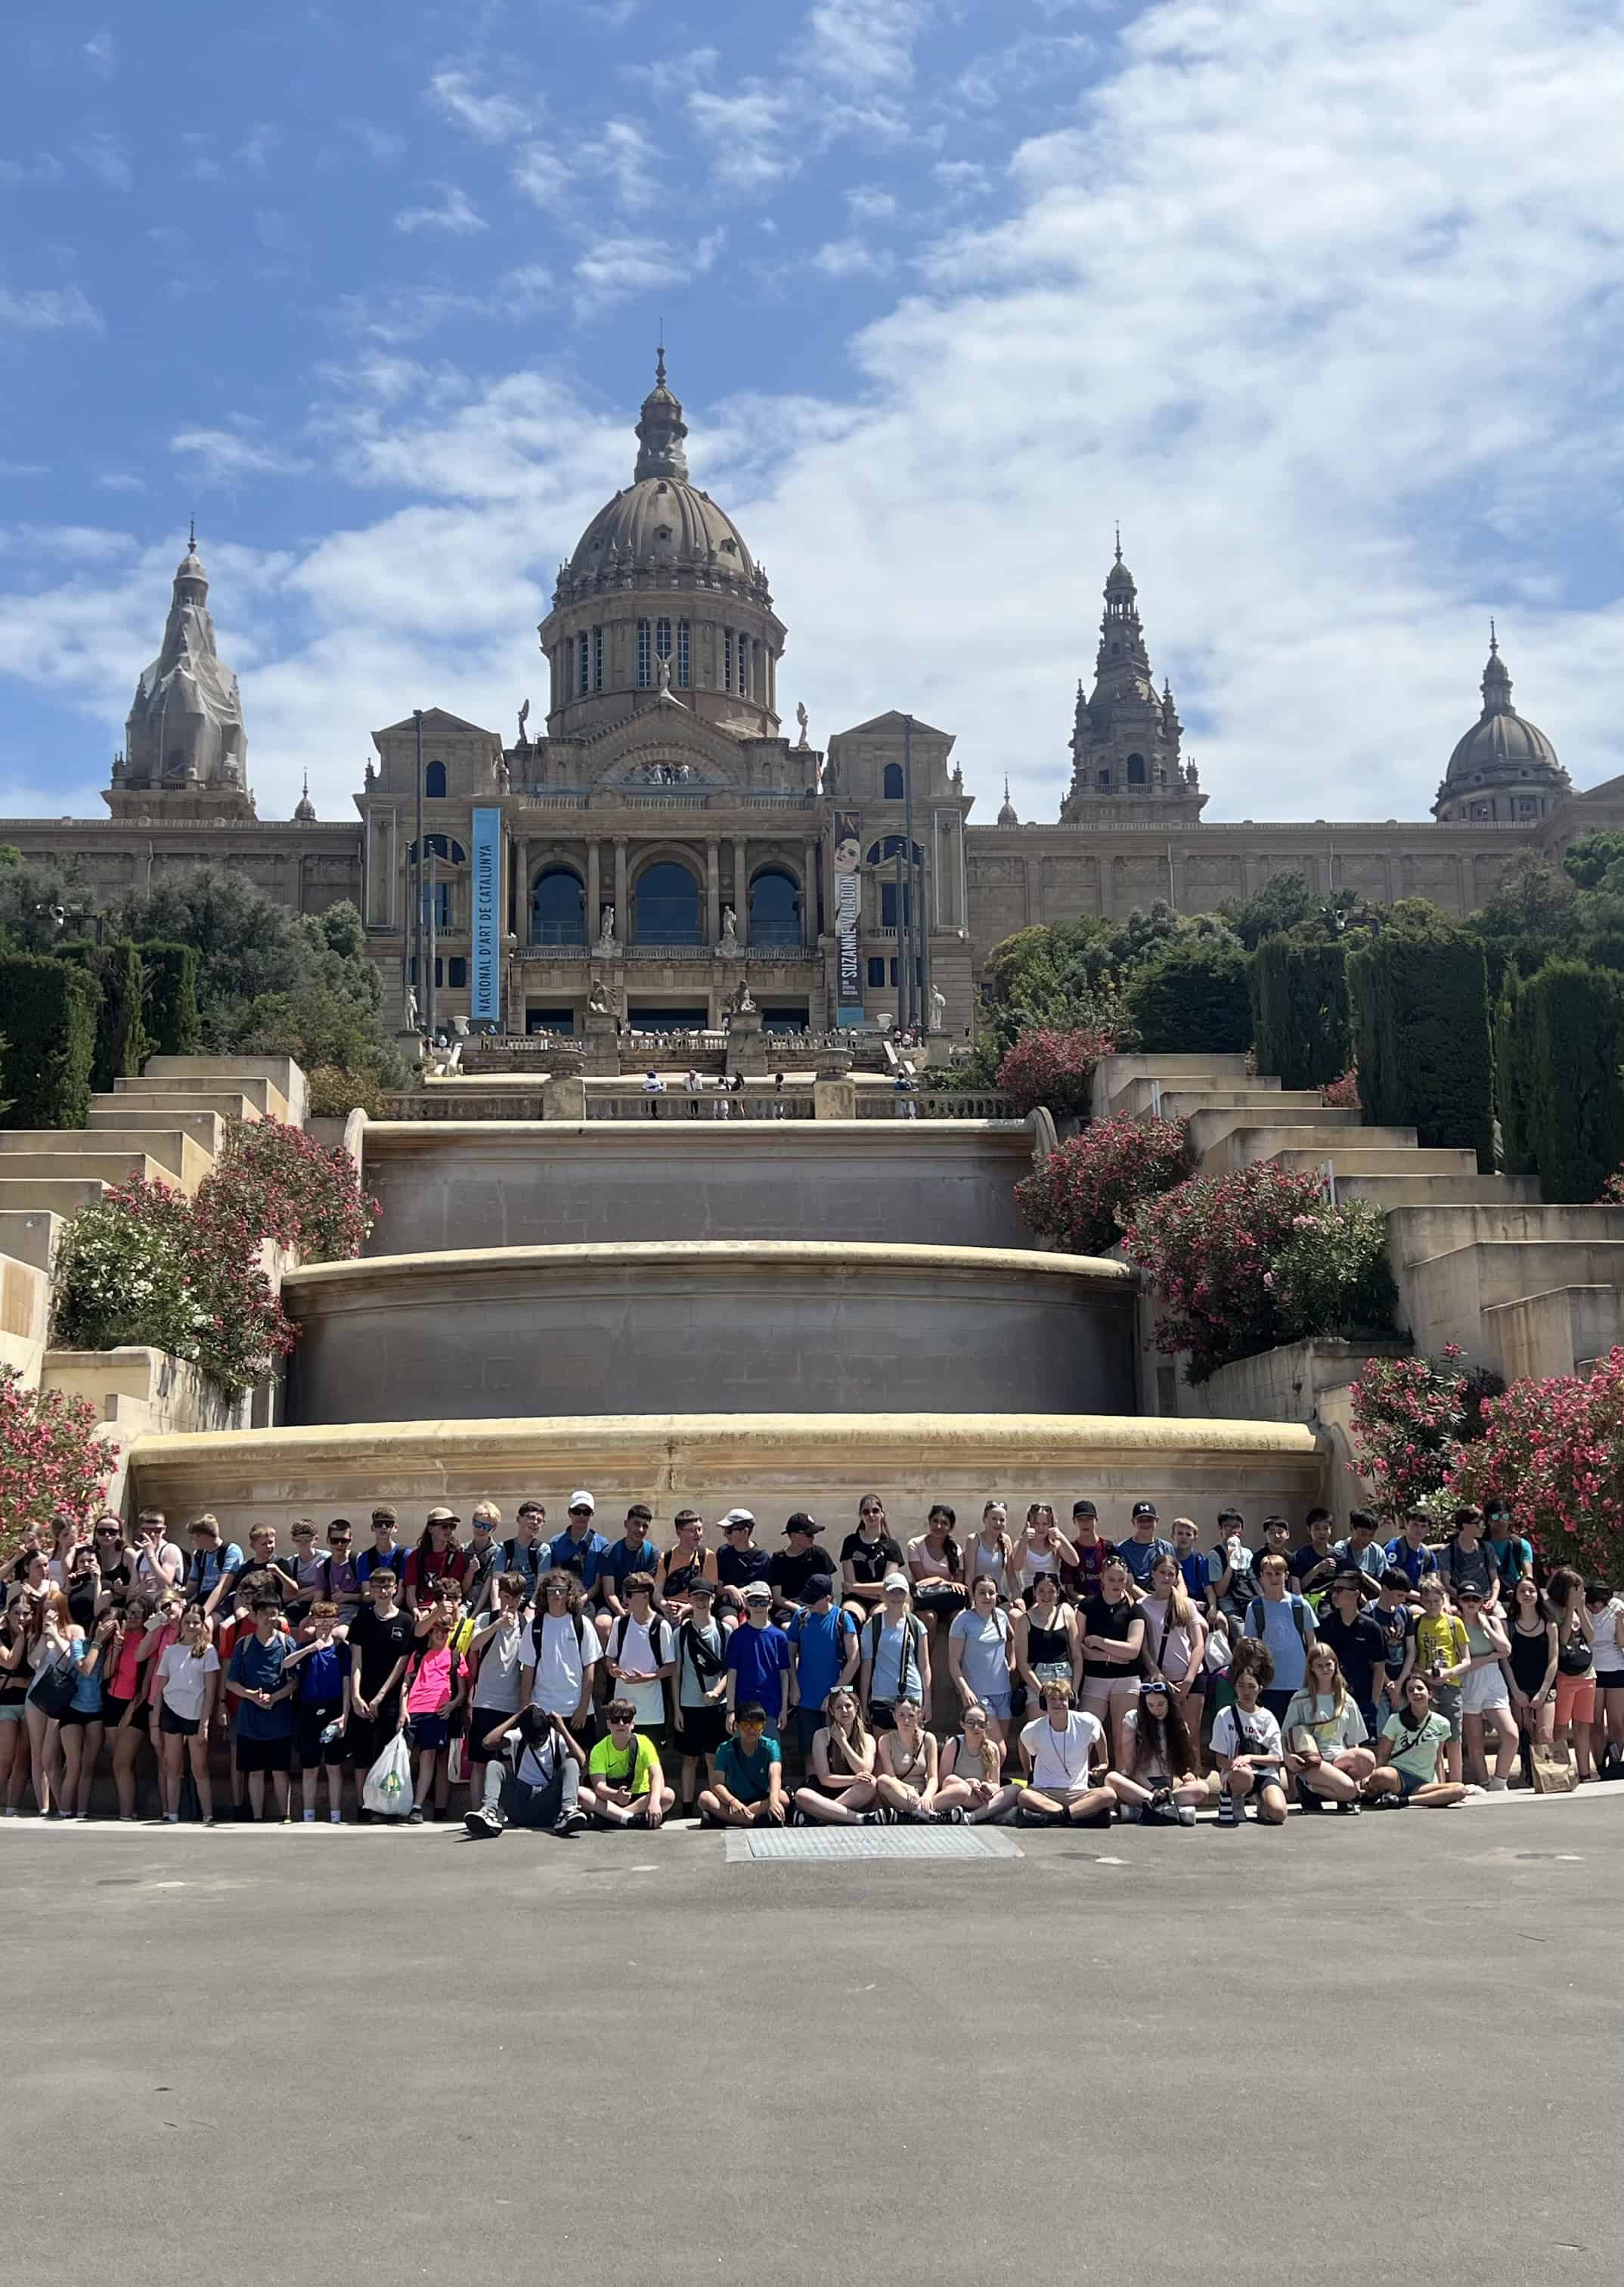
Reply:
x=1374, y=2049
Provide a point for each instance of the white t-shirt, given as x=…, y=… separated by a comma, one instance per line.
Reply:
x=183, y=1679
x=561, y=1660
x=1061, y=1758
x=158, y=1566
x=1609, y=1651
x=646, y=1646
x=1334, y=1729
x=1260, y=1736
x=496, y=1680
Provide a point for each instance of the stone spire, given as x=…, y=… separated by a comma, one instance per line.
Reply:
x=1006, y=814
x=185, y=749
x=660, y=430
x=304, y=808
x=1496, y=681
x=1126, y=733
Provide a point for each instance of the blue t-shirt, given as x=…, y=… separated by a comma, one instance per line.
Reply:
x=1415, y=1564
x=758, y=1658
x=258, y=1668
x=375, y=1560
x=1140, y=1555
x=621, y=1560
x=821, y=1640
x=206, y=1566
x=1277, y=1625
x=584, y=1558
x=1193, y=1568
x=748, y=1777
x=321, y=1674
x=87, y=1691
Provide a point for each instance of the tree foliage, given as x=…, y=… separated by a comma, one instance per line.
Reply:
x=50, y=1012
x=1419, y=1002
x=1192, y=996
x=1561, y=1044
x=1302, y=1025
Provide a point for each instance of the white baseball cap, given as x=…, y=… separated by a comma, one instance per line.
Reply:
x=582, y=1500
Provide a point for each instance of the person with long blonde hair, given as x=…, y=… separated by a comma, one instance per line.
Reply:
x=1175, y=1649
x=1327, y=1745
x=840, y=1790
x=906, y=1779
x=972, y=1790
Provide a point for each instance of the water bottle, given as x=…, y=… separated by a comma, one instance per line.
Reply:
x=333, y=1730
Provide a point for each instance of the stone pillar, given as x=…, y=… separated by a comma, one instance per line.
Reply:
x=600, y=1048
x=808, y=893
x=834, y=1099
x=1034, y=890
x=712, y=890
x=746, y=1048
x=741, y=887
x=595, y=893
x=564, y=1096
x=521, y=885
x=623, y=908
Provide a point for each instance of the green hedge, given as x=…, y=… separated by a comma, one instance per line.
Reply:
x=1302, y=1028
x=1193, y=998
x=1421, y=1038
x=121, y=1037
x=1514, y=1081
x=174, y=1027
x=1568, y=1044
x=50, y=1008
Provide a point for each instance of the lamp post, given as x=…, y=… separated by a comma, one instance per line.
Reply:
x=417, y=885
x=429, y=950
x=910, y=916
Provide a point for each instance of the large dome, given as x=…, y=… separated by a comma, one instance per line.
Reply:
x=1502, y=750
x=661, y=531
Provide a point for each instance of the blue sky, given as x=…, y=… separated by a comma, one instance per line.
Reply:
x=1324, y=304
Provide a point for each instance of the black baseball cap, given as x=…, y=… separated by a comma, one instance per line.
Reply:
x=1140, y=1509
x=1083, y=1508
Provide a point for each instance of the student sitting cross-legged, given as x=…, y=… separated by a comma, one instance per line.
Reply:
x=624, y=1779
x=1064, y=1754
x=748, y=1789
x=532, y=1771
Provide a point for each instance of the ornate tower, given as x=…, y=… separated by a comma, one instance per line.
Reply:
x=185, y=751
x=1126, y=764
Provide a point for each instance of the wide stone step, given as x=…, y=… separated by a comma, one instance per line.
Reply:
x=30, y=1235
x=1416, y=1234
x=1351, y=1161
x=81, y=1166
x=1567, y=1330
x=1307, y=1105
x=1238, y=1146
x=1444, y=1298
x=284, y=1077
x=170, y=1148
x=141, y=1101
x=1392, y=1191
x=207, y=1129
x=46, y=1195
x=1139, y=1095
x=267, y=1100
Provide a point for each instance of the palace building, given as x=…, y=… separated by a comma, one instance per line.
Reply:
x=664, y=839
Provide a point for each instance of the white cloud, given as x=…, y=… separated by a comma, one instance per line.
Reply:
x=379, y=143
x=47, y=310
x=42, y=168
x=541, y=175
x=749, y=134
x=865, y=44
x=963, y=178
x=225, y=454
x=868, y=205
x=627, y=157
x=614, y=268
x=101, y=54
x=105, y=157
x=119, y=481
x=849, y=257
x=456, y=214
x=257, y=146
x=409, y=313
x=490, y=118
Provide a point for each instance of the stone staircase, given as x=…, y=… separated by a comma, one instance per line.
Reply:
x=1522, y=1287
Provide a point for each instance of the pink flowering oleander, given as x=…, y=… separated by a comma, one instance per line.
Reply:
x=1088, y=1187
x=1206, y=1246
x=49, y=1459
x=1555, y=1449
x=1055, y=1069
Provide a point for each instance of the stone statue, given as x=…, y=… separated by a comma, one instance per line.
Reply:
x=606, y=930
x=729, y=931
x=738, y=1002
x=504, y=775
x=938, y=1008
x=460, y=1028
x=597, y=1000
x=371, y=773
x=413, y=1016
x=662, y=681
x=523, y=739
x=801, y=717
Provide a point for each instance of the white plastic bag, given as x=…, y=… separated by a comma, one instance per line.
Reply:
x=387, y=1788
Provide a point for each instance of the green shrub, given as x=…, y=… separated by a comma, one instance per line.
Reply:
x=1420, y=1036
x=1301, y=1024
x=121, y=1035
x=1333, y=1276
x=50, y=1008
x=1572, y=1023
x=1514, y=1080
x=170, y=1012
x=1192, y=998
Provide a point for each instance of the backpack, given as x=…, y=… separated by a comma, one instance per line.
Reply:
x=457, y=1716
x=618, y=1645
x=580, y=1636
x=706, y=1664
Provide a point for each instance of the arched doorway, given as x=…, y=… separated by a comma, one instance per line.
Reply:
x=666, y=904
x=558, y=908
x=775, y=908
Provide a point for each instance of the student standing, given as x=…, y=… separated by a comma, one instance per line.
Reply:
x=759, y=1660
x=188, y=1678
x=701, y=1687
x=320, y=1670
x=256, y=1679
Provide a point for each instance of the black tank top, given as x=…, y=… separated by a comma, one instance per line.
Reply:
x=1047, y=1647
x=14, y=1682
x=1529, y=1655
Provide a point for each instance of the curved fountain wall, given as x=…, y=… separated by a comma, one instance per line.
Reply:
x=731, y=1327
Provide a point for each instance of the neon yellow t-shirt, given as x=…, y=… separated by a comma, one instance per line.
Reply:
x=608, y=1761
x=1441, y=1642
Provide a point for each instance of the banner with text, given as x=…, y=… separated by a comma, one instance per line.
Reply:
x=487, y=970
x=847, y=903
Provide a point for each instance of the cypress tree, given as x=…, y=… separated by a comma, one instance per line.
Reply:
x=1300, y=1010
x=1422, y=1037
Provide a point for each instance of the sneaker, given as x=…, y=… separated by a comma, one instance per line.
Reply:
x=1350, y=1809
x=1498, y=1786
x=573, y=1822
x=336, y=1818
x=483, y=1825
x=1387, y=1802
x=1228, y=1809
x=307, y=1818
x=209, y=1820
x=1187, y=1814
x=414, y=1816
x=952, y=1816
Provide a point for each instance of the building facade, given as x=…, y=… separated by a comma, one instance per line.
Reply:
x=664, y=841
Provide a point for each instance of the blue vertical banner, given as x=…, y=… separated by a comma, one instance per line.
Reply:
x=487, y=970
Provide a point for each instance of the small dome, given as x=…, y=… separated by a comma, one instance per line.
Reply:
x=304, y=808
x=1006, y=811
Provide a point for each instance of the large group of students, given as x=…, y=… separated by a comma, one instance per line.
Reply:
x=577, y=1678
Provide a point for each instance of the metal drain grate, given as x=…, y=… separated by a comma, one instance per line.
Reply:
x=800, y=1843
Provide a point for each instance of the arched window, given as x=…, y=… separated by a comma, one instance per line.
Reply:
x=445, y=849
x=893, y=782
x=879, y=851
x=775, y=908
x=434, y=782
x=1136, y=769
x=666, y=905
x=558, y=908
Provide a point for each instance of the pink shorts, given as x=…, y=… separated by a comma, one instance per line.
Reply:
x=1576, y=1699
x=1105, y=1690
